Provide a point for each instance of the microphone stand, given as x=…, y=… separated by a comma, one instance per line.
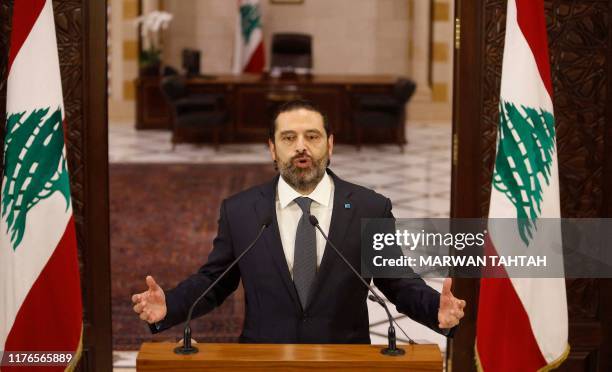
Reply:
x=391, y=349
x=187, y=348
x=383, y=304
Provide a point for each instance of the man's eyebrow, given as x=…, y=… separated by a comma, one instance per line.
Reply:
x=308, y=131
x=287, y=132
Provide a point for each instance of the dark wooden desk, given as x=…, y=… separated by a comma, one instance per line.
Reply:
x=252, y=100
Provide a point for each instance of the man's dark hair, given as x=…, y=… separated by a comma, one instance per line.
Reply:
x=296, y=105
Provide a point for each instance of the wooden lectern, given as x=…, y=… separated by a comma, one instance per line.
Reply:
x=287, y=357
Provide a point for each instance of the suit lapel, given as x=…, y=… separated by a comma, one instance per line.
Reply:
x=265, y=206
x=342, y=214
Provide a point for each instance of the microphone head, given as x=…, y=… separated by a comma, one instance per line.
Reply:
x=266, y=220
x=313, y=220
x=373, y=298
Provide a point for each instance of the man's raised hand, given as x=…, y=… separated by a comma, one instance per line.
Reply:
x=451, y=308
x=150, y=304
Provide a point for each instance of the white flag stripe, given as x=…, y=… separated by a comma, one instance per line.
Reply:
x=36, y=61
x=237, y=57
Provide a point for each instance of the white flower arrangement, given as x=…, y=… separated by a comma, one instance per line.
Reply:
x=151, y=25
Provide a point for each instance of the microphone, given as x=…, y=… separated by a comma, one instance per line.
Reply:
x=187, y=348
x=391, y=349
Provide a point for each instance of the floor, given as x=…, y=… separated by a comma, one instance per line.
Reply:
x=417, y=181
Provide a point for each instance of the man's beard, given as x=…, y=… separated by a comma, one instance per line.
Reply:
x=303, y=179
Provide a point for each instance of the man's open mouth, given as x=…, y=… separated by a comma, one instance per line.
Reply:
x=302, y=162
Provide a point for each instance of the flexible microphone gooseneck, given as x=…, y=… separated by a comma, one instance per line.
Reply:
x=384, y=305
x=391, y=349
x=187, y=348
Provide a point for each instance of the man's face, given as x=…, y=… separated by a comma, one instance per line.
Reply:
x=301, y=148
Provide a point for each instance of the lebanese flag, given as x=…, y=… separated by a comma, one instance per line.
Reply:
x=522, y=323
x=249, y=53
x=40, y=300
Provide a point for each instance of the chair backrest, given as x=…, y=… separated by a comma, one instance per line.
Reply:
x=291, y=50
x=173, y=87
x=191, y=61
x=169, y=71
x=404, y=89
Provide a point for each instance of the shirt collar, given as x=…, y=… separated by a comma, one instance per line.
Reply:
x=321, y=194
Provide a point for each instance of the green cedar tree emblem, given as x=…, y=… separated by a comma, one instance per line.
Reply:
x=250, y=20
x=525, y=148
x=34, y=166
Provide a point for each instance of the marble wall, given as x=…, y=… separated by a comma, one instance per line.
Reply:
x=122, y=56
x=373, y=35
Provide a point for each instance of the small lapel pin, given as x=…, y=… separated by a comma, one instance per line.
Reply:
x=347, y=205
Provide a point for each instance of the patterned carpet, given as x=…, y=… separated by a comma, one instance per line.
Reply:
x=180, y=237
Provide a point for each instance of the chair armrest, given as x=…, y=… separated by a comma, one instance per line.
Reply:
x=377, y=102
x=209, y=102
x=195, y=102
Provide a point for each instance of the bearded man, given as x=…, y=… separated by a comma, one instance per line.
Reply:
x=297, y=290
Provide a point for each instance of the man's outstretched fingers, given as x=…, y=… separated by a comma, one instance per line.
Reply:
x=143, y=315
x=137, y=308
x=153, y=286
x=136, y=298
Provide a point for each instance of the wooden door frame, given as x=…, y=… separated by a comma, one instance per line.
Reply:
x=465, y=174
x=96, y=243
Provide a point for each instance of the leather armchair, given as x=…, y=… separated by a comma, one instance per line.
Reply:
x=383, y=110
x=291, y=51
x=193, y=114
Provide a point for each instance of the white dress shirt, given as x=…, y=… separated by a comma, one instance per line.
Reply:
x=288, y=215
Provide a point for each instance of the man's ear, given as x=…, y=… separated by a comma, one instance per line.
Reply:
x=272, y=149
x=330, y=144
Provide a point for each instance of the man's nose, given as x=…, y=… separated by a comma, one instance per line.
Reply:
x=300, y=144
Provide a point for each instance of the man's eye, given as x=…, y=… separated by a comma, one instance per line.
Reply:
x=288, y=138
x=313, y=137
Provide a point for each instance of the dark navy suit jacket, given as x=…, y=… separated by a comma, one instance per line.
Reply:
x=337, y=311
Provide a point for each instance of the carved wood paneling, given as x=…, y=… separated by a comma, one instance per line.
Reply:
x=69, y=43
x=69, y=34
x=494, y=33
x=579, y=38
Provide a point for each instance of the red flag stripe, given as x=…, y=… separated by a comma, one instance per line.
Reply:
x=501, y=316
x=256, y=63
x=53, y=304
x=25, y=14
x=532, y=22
